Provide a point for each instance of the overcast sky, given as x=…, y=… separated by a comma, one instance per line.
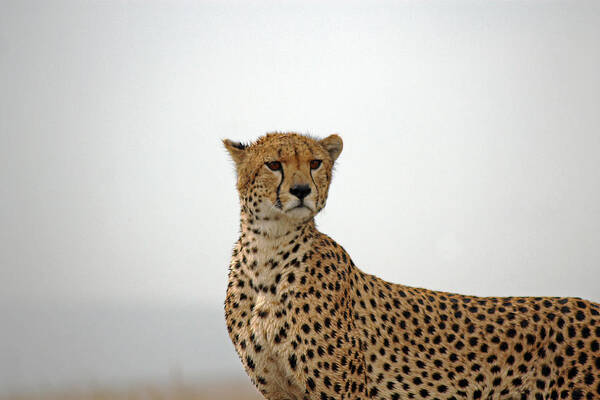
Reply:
x=471, y=141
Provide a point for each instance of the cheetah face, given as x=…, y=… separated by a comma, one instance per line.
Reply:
x=284, y=177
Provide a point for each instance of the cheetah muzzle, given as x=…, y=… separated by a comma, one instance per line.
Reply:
x=308, y=324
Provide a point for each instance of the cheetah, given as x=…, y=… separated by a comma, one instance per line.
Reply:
x=308, y=324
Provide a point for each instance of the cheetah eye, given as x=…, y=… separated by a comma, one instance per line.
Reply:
x=314, y=164
x=274, y=165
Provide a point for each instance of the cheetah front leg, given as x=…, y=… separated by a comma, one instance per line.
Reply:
x=327, y=361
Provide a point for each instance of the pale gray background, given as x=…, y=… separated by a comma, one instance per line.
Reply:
x=471, y=162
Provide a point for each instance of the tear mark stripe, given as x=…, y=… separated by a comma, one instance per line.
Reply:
x=278, y=200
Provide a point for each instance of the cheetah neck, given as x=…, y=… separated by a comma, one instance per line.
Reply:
x=268, y=251
x=274, y=233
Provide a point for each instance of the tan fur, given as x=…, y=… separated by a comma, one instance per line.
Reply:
x=308, y=324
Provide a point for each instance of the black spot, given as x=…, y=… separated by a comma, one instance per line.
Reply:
x=540, y=384
x=250, y=363
x=589, y=379
x=330, y=349
x=545, y=370
x=585, y=332
x=517, y=382
x=292, y=360
x=559, y=360
x=522, y=368
x=317, y=327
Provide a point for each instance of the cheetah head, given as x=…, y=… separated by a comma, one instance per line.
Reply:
x=284, y=177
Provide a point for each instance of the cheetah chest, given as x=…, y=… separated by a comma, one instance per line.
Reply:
x=269, y=329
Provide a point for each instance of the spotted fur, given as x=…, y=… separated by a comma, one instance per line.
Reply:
x=308, y=324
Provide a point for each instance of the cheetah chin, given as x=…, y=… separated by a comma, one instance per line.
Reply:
x=308, y=324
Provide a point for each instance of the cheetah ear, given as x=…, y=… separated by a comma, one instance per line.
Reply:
x=333, y=144
x=237, y=150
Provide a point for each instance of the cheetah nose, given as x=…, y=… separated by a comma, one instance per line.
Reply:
x=300, y=191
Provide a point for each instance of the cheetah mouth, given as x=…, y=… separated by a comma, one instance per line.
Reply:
x=299, y=206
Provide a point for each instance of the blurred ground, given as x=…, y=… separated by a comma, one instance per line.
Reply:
x=239, y=390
